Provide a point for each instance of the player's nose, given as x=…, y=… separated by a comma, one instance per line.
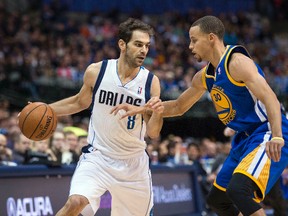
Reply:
x=191, y=46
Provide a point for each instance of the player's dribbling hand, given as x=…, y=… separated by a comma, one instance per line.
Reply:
x=18, y=115
x=273, y=149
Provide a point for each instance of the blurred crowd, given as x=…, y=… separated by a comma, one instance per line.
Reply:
x=62, y=148
x=44, y=51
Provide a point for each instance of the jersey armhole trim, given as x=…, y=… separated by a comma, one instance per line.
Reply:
x=204, y=77
x=148, y=87
x=227, y=71
x=99, y=78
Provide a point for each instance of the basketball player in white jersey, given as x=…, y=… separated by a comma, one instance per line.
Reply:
x=116, y=159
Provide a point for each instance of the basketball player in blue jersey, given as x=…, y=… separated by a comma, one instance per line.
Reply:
x=244, y=102
x=115, y=159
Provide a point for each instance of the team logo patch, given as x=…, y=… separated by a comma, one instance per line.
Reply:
x=222, y=104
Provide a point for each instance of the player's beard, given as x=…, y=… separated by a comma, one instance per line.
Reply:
x=197, y=57
x=132, y=61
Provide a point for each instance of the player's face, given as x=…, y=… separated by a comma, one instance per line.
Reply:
x=137, y=48
x=199, y=43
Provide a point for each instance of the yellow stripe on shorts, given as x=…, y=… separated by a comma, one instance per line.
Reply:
x=256, y=165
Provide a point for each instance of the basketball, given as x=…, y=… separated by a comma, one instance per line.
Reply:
x=37, y=121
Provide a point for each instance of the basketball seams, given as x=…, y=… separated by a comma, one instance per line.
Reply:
x=39, y=121
x=52, y=113
x=28, y=114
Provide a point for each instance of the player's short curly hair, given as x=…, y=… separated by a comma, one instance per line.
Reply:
x=126, y=29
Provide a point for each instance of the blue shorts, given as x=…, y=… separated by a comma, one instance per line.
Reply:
x=248, y=157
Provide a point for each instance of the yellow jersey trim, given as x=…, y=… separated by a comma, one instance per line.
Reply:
x=219, y=187
x=227, y=72
x=204, y=70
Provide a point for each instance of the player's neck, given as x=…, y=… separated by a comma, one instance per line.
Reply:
x=125, y=72
x=217, y=54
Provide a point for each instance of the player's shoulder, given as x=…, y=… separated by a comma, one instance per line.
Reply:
x=94, y=66
x=92, y=72
x=199, y=74
x=199, y=79
x=238, y=59
x=239, y=54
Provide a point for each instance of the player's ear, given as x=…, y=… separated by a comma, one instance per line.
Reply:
x=211, y=37
x=122, y=44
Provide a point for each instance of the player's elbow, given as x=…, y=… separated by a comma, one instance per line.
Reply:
x=180, y=111
x=83, y=103
x=154, y=134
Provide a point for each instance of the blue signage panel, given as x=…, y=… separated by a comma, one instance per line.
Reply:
x=175, y=193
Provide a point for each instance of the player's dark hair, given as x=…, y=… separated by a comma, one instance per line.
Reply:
x=126, y=29
x=211, y=24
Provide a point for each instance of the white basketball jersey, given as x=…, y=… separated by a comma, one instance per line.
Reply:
x=114, y=137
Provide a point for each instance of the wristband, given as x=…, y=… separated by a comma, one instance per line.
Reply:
x=277, y=138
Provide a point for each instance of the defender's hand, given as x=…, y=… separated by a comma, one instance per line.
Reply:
x=155, y=104
x=131, y=110
x=273, y=148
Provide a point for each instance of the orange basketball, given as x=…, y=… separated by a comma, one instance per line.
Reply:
x=37, y=121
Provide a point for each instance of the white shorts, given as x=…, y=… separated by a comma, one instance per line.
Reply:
x=128, y=181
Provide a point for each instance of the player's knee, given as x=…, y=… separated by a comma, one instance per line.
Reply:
x=213, y=200
x=233, y=193
x=240, y=191
x=219, y=202
x=239, y=188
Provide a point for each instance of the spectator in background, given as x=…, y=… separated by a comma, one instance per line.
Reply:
x=57, y=142
x=163, y=151
x=21, y=147
x=194, y=155
x=174, y=151
x=42, y=147
x=71, y=140
x=5, y=152
x=45, y=46
x=9, y=125
x=218, y=161
x=208, y=150
x=82, y=141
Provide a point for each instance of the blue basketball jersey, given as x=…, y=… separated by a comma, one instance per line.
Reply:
x=240, y=110
x=236, y=106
